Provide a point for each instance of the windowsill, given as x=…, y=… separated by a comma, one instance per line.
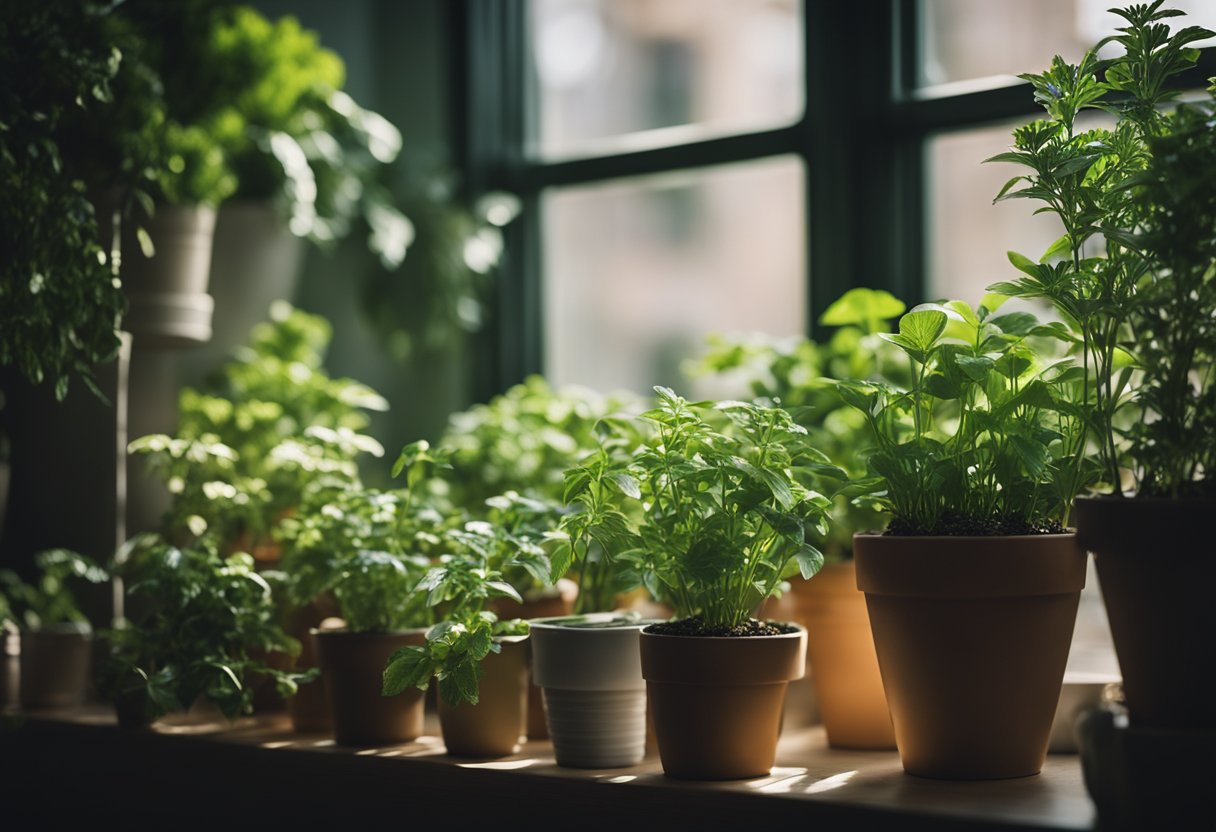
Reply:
x=260, y=765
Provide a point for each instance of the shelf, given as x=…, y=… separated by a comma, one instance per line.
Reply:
x=216, y=773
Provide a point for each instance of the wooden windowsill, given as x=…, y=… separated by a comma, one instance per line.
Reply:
x=260, y=765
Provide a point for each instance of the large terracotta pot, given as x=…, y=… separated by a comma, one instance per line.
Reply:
x=555, y=604
x=841, y=659
x=972, y=635
x=590, y=673
x=493, y=726
x=352, y=668
x=717, y=702
x=54, y=666
x=1155, y=566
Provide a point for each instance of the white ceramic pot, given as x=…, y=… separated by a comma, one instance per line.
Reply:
x=589, y=669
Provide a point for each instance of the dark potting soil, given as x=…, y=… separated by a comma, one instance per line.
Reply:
x=953, y=525
x=697, y=627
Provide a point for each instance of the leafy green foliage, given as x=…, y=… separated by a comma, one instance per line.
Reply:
x=51, y=599
x=1099, y=276
x=60, y=301
x=273, y=428
x=473, y=572
x=376, y=592
x=1173, y=442
x=800, y=375
x=524, y=440
x=987, y=437
x=706, y=511
x=269, y=96
x=203, y=627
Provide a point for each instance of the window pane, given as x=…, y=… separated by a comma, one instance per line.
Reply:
x=606, y=71
x=637, y=273
x=968, y=39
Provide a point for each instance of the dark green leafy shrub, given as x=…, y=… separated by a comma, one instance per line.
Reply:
x=202, y=627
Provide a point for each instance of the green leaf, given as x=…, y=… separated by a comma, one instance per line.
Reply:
x=1023, y=264
x=503, y=589
x=810, y=560
x=868, y=309
x=628, y=485
x=922, y=327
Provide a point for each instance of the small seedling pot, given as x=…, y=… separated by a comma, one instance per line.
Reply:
x=492, y=727
x=717, y=701
x=352, y=669
x=589, y=670
x=54, y=666
x=972, y=635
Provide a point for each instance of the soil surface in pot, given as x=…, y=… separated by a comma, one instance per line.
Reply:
x=696, y=627
x=953, y=525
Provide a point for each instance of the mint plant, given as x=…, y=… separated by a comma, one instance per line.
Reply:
x=1095, y=181
x=988, y=437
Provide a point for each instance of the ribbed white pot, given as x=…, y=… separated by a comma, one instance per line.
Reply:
x=589, y=669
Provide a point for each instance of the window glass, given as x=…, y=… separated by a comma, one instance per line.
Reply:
x=612, y=75
x=638, y=272
x=964, y=40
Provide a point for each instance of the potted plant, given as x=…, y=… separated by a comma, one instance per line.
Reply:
x=800, y=375
x=199, y=627
x=305, y=159
x=723, y=523
x=479, y=661
x=973, y=589
x=56, y=637
x=523, y=441
x=1137, y=281
x=1133, y=276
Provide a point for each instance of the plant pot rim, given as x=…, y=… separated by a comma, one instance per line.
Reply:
x=1071, y=532
x=798, y=632
x=602, y=621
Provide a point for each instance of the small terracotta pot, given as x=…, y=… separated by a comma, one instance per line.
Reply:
x=552, y=605
x=972, y=635
x=1155, y=567
x=841, y=659
x=10, y=664
x=589, y=669
x=717, y=702
x=54, y=666
x=352, y=668
x=309, y=709
x=493, y=726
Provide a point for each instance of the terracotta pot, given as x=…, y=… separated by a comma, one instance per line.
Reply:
x=1155, y=568
x=590, y=672
x=352, y=668
x=551, y=605
x=493, y=726
x=717, y=702
x=841, y=659
x=309, y=709
x=167, y=293
x=55, y=666
x=972, y=635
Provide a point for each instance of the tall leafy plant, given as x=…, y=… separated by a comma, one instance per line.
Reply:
x=1093, y=182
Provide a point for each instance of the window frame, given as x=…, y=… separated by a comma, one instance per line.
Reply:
x=862, y=139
